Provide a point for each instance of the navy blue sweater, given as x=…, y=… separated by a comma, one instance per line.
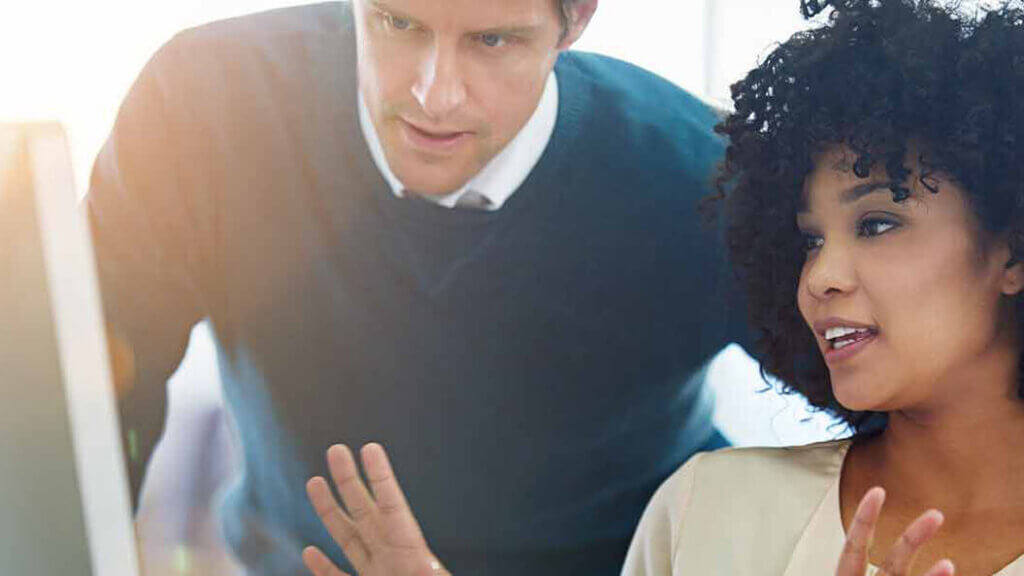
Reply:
x=534, y=372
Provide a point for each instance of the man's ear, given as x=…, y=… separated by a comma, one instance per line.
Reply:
x=580, y=13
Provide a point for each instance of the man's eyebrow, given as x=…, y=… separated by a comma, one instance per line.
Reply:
x=855, y=193
x=526, y=29
x=523, y=29
x=382, y=6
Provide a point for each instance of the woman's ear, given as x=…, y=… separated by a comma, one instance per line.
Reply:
x=1013, y=275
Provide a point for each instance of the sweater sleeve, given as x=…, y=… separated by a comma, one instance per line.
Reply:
x=143, y=217
x=653, y=549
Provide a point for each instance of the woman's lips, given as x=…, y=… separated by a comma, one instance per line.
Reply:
x=432, y=141
x=857, y=342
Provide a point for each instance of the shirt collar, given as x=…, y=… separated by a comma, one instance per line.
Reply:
x=500, y=178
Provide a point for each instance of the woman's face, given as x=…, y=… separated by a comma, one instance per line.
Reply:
x=903, y=297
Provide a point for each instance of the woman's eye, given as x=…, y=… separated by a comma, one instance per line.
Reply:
x=875, y=226
x=812, y=242
x=492, y=40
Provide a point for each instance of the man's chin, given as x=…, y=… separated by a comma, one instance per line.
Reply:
x=432, y=193
x=432, y=184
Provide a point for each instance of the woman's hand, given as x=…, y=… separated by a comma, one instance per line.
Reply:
x=854, y=559
x=378, y=533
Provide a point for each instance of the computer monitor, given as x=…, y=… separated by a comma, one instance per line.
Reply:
x=64, y=504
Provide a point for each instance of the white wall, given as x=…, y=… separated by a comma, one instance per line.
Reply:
x=74, y=60
x=702, y=45
x=665, y=36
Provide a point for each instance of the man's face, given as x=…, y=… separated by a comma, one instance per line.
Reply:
x=448, y=83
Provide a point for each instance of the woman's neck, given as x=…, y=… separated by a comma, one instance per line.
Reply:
x=969, y=468
x=959, y=454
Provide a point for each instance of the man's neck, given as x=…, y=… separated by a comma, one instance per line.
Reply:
x=503, y=174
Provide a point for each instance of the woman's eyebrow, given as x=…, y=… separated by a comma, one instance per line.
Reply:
x=855, y=193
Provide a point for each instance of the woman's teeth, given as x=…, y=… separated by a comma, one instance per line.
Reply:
x=842, y=336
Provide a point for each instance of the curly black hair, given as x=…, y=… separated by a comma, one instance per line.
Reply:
x=876, y=77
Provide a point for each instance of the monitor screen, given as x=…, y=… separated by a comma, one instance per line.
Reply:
x=64, y=506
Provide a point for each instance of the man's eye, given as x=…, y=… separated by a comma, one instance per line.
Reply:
x=875, y=227
x=812, y=242
x=397, y=23
x=492, y=40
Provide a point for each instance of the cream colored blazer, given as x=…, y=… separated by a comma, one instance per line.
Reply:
x=749, y=512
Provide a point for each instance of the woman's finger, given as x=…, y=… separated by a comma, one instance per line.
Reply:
x=360, y=505
x=897, y=562
x=398, y=525
x=338, y=524
x=854, y=559
x=319, y=564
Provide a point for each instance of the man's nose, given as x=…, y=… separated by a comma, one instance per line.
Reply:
x=440, y=88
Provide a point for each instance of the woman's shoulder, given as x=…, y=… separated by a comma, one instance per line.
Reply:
x=728, y=467
x=816, y=462
x=746, y=507
x=770, y=480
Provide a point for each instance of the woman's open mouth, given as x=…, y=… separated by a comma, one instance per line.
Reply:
x=845, y=341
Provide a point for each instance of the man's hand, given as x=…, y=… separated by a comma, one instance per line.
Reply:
x=854, y=559
x=378, y=533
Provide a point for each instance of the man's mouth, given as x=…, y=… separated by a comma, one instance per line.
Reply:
x=433, y=139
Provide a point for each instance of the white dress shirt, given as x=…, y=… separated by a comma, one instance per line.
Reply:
x=500, y=178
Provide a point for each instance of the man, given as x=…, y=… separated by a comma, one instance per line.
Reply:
x=424, y=223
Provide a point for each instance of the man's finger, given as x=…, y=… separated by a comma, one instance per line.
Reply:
x=854, y=559
x=319, y=564
x=354, y=494
x=398, y=524
x=897, y=562
x=338, y=524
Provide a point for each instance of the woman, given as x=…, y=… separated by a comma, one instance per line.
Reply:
x=874, y=185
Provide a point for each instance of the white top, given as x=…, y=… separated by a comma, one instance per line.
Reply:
x=503, y=175
x=749, y=512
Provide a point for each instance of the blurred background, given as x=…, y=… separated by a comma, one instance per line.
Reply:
x=73, y=62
